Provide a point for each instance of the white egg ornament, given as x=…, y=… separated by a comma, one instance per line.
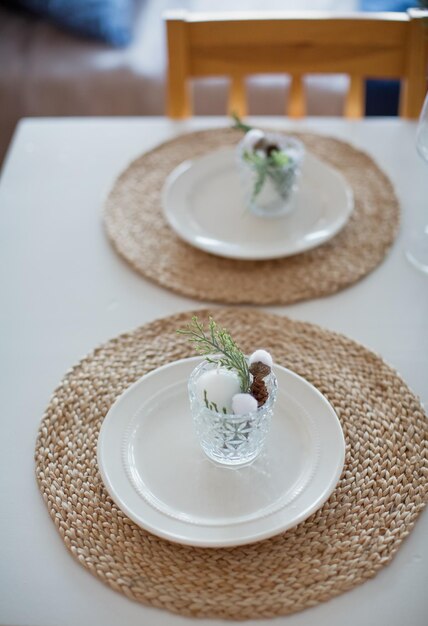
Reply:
x=243, y=403
x=218, y=386
x=251, y=139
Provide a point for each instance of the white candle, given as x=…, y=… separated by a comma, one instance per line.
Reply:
x=218, y=386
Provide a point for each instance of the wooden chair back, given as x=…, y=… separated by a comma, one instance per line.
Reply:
x=362, y=45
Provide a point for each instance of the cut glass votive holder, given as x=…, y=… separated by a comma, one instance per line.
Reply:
x=274, y=197
x=229, y=439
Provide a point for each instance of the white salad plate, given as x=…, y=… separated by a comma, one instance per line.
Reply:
x=155, y=471
x=203, y=201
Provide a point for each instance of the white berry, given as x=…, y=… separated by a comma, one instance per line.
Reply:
x=261, y=355
x=243, y=403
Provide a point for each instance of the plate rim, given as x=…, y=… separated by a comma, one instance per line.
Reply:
x=175, y=225
x=176, y=537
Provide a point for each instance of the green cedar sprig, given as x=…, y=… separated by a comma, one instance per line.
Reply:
x=265, y=166
x=218, y=341
x=239, y=124
x=212, y=406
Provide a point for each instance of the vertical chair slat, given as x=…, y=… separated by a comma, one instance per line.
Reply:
x=354, y=104
x=412, y=88
x=296, y=100
x=178, y=96
x=237, y=102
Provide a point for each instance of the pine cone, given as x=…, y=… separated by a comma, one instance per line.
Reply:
x=272, y=147
x=260, y=144
x=268, y=148
x=259, y=369
x=259, y=390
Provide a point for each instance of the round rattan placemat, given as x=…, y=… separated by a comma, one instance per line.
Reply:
x=139, y=232
x=382, y=489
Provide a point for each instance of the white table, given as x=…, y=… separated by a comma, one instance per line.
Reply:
x=64, y=290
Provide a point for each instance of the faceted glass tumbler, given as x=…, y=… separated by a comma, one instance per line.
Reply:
x=275, y=197
x=229, y=439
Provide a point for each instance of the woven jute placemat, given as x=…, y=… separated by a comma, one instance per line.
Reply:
x=139, y=232
x=382, y=489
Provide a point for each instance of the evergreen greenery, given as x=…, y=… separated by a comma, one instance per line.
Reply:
x=219, y=342
x=239, y=124
x=267, y=165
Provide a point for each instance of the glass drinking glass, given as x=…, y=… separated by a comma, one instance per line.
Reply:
x=417, y=251
x=226, y=438
x=271, y=196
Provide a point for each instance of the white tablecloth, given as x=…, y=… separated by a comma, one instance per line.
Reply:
x=64, y=290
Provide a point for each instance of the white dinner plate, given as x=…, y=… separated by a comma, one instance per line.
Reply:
x=154, y=469
x=203, y=202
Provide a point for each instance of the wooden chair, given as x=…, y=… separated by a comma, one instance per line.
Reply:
x=361, y=45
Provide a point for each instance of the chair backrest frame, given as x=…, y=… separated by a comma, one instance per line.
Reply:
x=362, y=45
